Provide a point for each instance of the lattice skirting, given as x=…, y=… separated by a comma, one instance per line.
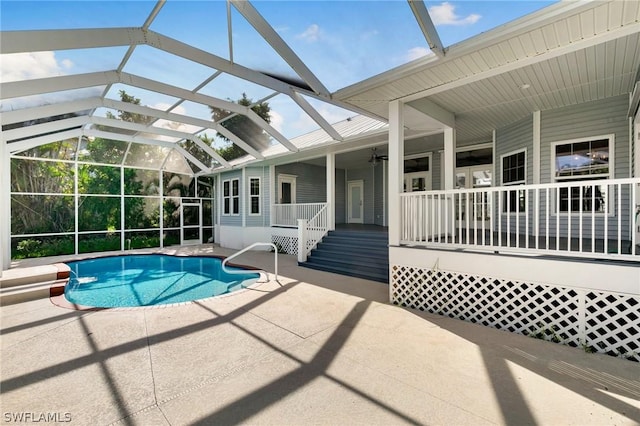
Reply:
x=286, y=244
x=598, y=321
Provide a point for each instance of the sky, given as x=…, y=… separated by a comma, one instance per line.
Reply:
x=341, y=42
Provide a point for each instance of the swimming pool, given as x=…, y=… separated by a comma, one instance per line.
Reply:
x=146, y=280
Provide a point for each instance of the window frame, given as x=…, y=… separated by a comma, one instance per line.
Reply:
x=520, y=195
x=233, y=199
x=608, y=210
x=250, y=196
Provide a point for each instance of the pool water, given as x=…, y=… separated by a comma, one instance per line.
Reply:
x=147, y=280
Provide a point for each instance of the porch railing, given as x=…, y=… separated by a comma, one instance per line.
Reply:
x=593, y=218
x=311, y=232
x=288, y=214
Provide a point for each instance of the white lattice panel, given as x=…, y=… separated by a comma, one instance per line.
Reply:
x=613, y=324
x=286, y=244
x=543, y=311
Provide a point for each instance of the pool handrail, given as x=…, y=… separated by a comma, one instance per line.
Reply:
x=238, y=253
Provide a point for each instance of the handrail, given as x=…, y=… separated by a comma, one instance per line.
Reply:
x=319, y=230
x=236, y=254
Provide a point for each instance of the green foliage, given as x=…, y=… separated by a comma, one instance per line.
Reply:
x=241, y=126
x=42, y=247
x=98, y=194
x=546, y=333
x=129, y=116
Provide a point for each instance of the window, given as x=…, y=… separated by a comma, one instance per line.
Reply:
x=231, y=197
x=514, y=172
x=254, y=196
x=582, y=160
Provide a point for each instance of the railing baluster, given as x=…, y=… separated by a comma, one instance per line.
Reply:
x=581, y=213
x=558, y=216
x=606, y=220
x=593, y=219
x=547, y=218
x=619, y=213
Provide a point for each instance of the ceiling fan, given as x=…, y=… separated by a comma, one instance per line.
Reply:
x=375, y=158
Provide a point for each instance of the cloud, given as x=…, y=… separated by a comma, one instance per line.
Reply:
x=444, y=14
x=276, y=120
x=26, y=66
x=311, y=34
x=416, y=52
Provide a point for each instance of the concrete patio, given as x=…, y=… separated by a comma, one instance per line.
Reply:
x=314, y=348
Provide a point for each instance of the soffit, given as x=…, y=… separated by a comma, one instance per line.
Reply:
x=588, y=52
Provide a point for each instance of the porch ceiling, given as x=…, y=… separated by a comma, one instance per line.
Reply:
x=569, y=54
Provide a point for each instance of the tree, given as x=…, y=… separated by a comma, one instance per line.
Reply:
x=130, y=116
x=241, y=126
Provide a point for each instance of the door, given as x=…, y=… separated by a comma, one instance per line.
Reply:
x=190, y=220
x=287, y=189
x=355, y=213
x=479, y=208
x=418, y=181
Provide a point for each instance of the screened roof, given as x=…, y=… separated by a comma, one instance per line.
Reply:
x=148, y=76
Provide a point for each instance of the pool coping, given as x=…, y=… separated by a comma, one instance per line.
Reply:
x=57, y=298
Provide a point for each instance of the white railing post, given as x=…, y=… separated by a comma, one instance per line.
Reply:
x=302, y=240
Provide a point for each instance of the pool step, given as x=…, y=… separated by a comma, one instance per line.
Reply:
x=26, y=284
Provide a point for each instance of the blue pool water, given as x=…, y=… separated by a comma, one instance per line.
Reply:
x=144, y=280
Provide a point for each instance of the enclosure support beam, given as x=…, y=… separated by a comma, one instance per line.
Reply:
x=396, y=169
x=5, y=207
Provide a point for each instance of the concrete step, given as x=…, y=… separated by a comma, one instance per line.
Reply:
x=27, y=292
x=360, y=256
x=350, y=264
x=367, y=275
x=37, y=282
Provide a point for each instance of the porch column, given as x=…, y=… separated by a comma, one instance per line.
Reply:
x=396, y=169
x=331, y=190
x=449, y=158
x=5, y=207
x=536, y=147
x=272, y=191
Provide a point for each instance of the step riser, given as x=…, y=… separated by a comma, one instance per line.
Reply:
x=365, y=259
x=353, y=248
x=351, y=266
x=380, y=277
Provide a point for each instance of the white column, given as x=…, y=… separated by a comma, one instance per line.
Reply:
x=5, y=207
x=302, y=240
x=272, y=191
x=331, y=190
x=449, y=158
x=396, y=168
x=536, y=147
x=243, y=196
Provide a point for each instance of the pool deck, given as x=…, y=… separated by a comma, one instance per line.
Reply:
x=313, y=348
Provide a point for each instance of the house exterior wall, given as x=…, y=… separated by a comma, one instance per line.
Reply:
x=366, y=174
x=512, y=138
x=311, y=186
x=231, y=220
x=379, y=186
x=602, y=117
x=341, y=196
x=265, y=203
x=595, y=118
